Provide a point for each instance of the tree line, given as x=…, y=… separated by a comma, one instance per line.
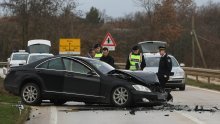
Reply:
x=165, y=20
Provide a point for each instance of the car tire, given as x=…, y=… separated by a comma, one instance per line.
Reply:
x=121, y=97
x=31, y=94
x=182, y=88
x=58, y=102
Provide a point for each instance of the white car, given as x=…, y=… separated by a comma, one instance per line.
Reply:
x=18, y=58
x=177, y=80
x=33, y=57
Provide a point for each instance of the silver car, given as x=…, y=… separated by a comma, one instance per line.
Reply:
x=176, y=80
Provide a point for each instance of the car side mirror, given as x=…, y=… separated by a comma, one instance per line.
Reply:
x=182, y=65
x=91, y=73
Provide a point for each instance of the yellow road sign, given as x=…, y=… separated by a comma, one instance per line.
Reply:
x=69, y=46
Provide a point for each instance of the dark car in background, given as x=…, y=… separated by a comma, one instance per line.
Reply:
x=61, y=79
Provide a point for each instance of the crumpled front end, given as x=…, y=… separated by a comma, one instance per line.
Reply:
x=157, y=95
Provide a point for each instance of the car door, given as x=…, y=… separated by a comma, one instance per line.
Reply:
x=52, y=73
x=78, y=81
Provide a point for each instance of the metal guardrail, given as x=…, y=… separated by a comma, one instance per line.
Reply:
x=209, y=73
x=3, y=64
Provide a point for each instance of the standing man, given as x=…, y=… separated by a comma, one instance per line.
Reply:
x=165, y=67
x=98, y=54
x=135, y=60
x=91, y=53
x=107, y=58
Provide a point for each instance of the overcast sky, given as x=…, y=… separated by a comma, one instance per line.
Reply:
x=117, y=8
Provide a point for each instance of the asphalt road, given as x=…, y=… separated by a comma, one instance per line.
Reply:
x=193, y=106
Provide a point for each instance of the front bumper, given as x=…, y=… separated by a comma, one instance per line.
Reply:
x=175, y=83
x=149, y=97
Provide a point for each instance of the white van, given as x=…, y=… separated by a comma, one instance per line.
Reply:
x=39, y=46
x=151, y=46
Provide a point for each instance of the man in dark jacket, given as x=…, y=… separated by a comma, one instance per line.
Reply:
x=91, y=53
x=106, y=57
x=135, y=60
x=165, y=67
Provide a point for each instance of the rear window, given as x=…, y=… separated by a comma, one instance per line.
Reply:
x=154, y=61
x=151, y=47
x=19, y=56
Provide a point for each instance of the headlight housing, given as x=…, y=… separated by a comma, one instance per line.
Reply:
x=180, y=73
x=141, y=88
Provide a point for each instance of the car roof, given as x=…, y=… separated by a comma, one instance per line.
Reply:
x=152, y=42
x=40, y=54
x=20, y=53
x=154, y=55
x=34, y=64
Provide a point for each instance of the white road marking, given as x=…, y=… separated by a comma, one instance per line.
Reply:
x=53, y=115
x=196, y=120
x=198, y=88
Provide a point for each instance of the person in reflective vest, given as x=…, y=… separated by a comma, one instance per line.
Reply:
x=135, y=60
x=98, y=53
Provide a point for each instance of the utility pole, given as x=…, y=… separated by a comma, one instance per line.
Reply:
x=193, y=41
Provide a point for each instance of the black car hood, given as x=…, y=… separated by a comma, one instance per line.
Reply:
x=147, y=78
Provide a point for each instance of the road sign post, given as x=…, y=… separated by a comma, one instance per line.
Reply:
x=69, y=46
x=109, y=42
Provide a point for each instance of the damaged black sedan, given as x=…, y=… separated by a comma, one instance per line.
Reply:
x=61, y=79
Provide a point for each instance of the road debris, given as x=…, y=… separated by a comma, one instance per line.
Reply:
x=133, y=110
x=216, y=108
x=202, y=109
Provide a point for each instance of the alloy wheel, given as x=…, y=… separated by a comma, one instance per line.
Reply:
x=31, y=94
x=120, y=96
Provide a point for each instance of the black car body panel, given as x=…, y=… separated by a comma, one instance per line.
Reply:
x=94, y=86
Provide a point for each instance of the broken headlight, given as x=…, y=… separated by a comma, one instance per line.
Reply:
x=141, y=88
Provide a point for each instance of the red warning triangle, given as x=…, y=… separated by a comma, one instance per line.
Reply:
x=108, y=41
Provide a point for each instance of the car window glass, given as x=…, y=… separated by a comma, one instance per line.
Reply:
x=35, y=58
x=74, y=66
x=151, y=47
x=44, y=65
x=56, y=64
x=154, y=61
x=19, y=57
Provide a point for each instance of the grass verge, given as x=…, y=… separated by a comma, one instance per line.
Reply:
x=203, y=85
x=9, y=114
